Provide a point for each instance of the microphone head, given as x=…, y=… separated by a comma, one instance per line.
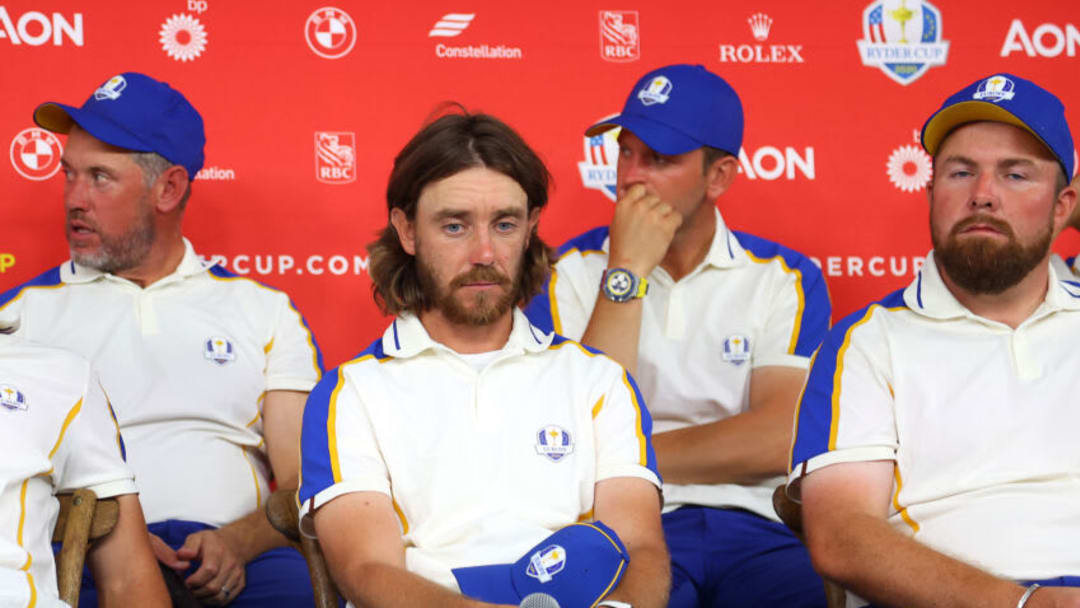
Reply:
x=538, y=600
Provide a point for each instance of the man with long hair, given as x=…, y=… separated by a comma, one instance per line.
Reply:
x=935, y=451
x=464, y=435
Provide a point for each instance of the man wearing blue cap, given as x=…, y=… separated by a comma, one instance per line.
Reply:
x=719, y=326
x=207, y=372
x=935, y=451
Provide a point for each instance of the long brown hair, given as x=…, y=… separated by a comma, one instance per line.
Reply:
x=446, y=147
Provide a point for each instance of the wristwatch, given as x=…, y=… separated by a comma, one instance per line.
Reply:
x=621, y=285
x=614, y=604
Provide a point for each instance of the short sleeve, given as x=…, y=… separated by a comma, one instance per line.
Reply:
x=294, y=361
x=798, y=317
x=562, y=306
x=846, y=413
x=623, y=431
x=90, y=451
x=339, y=453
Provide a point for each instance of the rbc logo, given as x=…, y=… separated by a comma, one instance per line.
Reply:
x=335, y=157
x=620, y=37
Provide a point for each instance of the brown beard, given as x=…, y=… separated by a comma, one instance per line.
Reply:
x=981, y=266
x=485, y=309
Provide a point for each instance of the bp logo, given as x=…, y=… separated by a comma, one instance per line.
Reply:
x=35, y=154
x=182, y=37
x=330, y=33
x=902, y=38
x=601, y=161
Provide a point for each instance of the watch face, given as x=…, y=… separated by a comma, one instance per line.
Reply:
x=619, y=283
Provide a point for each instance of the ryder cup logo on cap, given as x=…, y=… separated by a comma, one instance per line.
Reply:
x=135, y=112
x=995, y=88
x=577, y=565
x=657, y=91
x=1011, y=100
x=111, y=89
x=680, y=108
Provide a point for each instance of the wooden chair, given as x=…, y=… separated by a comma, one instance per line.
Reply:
x=82, y=519
x=284, y=515
x=790, y=513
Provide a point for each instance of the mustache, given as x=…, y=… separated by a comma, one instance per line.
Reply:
x=993, y=222
x=480, y=274
x=80, y=215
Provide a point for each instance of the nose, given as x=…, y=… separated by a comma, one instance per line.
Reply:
x=984, y=193
x=482, y=252
x=75, y=194
x=630, y=171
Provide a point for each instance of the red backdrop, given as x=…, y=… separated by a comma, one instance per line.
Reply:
x=306, y=107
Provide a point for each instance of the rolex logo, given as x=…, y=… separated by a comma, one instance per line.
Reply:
x=759, y=25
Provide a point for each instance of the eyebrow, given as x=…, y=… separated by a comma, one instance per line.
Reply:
x=442, y=214
x=1003, y=164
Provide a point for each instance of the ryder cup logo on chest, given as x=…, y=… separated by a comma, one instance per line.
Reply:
x=736, y=349
x=554, y=442
x=35, y=153
x=219, y=350
x=620, y=36
x=902, y=38
x=330, y=32
x=546, y=563
x=12, y=399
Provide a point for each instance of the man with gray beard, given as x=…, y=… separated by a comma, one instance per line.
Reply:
x=935, y=448
x=207, y=372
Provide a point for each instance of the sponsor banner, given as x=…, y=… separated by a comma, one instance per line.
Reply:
x=1046, y=40
x=870, y=265
x=268, y=264
x=183, y=37
x=760, y=26
x=452, y=25
x=335, y=157
x=330, y=32
x=620, y=36
x=902, y=38
x=35, y=153
x=34, y=28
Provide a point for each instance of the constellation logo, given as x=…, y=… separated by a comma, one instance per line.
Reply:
x=182, y=37
x=330, y=33
x=451, y=24
x=620, y=36
x=903, y=41
x=35, y=154
x=1048, y=40
x=335, y=157
x=35, y=29
x=760, y=26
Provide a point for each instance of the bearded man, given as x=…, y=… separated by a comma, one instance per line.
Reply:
x=935, y=450
x=464, y=435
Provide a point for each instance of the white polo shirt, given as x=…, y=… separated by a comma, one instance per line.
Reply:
x=58, y=434
x=1065, y=268
x=186, y=362
x=751, y=303
x=480, y=465
x=980, y=419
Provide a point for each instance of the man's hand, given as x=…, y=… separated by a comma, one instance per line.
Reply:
x=1054, y=597
x=165, y=554
x=641, y=231
x=220, y=577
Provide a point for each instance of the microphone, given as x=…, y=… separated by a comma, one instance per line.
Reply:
x=538, y=600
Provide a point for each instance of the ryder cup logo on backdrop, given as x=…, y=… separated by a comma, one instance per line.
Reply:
x=330, y=32
x=219, y=350
x=620, y=36
x=902, y=38
x=35, y=154
x=601, y=156
x=12, y=398
x=554, y=442
x=335, y=157
x=182, y=37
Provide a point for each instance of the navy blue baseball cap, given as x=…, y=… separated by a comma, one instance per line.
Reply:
x=679, y=108
x=577, y=565
x=135, y=112
x=1011, y=100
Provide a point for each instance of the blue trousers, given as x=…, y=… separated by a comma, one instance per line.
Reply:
x=734, y=558
x=278, y=577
